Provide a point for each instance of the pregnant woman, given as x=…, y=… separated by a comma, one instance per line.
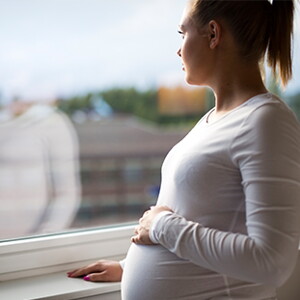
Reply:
x=227, y=220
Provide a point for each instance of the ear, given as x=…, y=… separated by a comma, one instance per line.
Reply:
x=214, y=31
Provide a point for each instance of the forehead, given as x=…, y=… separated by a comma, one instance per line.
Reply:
x=186, y=19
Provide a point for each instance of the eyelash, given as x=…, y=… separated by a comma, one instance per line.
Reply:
x=181, y=33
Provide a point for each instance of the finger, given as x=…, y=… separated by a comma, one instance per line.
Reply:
x=96, y=277
x=146, y=212
x=73, y=271
x=135, y=229
x=139, y=240
x=83, y=271
x=77, y=273
x=135, y=239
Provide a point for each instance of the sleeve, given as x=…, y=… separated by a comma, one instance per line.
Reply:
x=267, y=152
x=64, y=189
x=154, y=224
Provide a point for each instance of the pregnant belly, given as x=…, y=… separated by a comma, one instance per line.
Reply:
x=152, y=272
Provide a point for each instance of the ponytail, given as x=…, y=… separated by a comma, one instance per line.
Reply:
x=281, y=32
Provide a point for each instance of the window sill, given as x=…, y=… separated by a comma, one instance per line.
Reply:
x=57, y=286
x=35, y=268
x=52, y=254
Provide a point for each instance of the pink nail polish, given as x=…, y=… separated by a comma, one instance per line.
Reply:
x=87, y=278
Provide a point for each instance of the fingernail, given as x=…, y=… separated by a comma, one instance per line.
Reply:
x=87, y=278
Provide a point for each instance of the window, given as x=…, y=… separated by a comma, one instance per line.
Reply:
x=80, y=134
x=92, y=97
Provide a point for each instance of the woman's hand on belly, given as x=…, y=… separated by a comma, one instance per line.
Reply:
x=102, y=270
x=142, y=230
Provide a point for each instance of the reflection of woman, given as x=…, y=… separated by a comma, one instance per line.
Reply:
x=39, y=186
x=226, y=224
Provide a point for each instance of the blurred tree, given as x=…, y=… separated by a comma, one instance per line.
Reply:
x=143, y=104
x=129, y=100
x=71, y=105
x=210, y=100
x=294, y=103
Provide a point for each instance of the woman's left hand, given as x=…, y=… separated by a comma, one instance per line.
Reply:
x=142, y=230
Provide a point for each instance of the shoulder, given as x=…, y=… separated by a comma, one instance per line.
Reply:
x=269, y=113
x=269, y=128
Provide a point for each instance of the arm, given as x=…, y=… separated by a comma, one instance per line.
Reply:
x=268, y=155
x=62, y=156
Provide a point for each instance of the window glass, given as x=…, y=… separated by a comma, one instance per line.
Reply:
x=92, y=98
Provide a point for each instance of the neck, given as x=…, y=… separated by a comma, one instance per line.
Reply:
x=235, y=85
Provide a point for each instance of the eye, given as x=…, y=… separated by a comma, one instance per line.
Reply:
x=181, y=33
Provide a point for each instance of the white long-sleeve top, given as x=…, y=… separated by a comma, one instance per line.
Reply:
x=39, y=173
x=234, y=187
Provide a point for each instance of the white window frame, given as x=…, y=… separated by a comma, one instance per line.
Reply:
x=56, y=253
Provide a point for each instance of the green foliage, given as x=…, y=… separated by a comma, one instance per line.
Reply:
x=71, y=105
x=210, y=100
x=142, y=104
x=294, y=103
x=139, y=103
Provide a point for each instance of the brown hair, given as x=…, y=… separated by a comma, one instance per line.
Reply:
x=258, y=26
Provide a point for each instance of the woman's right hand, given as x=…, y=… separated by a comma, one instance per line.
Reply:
x=102, y=270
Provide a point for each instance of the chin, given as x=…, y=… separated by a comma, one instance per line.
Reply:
x=191, y=81
x=194, y=81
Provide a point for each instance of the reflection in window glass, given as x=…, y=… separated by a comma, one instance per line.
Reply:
x=92, y=98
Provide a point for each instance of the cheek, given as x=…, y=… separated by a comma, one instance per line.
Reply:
x=185, y=50
x=187, y=56
x=190, y=52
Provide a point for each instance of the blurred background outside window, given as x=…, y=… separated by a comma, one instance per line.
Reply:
x=92, y=98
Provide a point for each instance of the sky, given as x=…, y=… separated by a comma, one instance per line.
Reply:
x=55, y=48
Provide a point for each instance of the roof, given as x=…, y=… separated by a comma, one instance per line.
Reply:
x=121, y=136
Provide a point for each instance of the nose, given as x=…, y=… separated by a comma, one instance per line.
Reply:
x=179, y=52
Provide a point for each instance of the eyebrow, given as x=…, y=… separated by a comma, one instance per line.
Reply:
x=180, y=29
